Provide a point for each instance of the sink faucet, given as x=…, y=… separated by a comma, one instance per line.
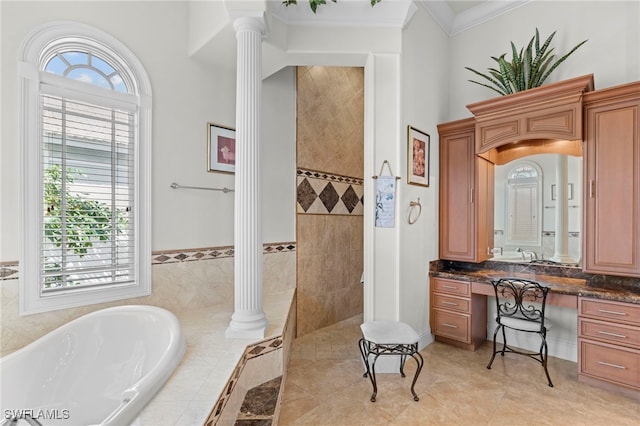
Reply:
x=532, y=254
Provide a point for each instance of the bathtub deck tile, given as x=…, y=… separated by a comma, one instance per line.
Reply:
x=191, y=392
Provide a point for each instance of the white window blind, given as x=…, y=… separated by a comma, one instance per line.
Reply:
x=87, y=235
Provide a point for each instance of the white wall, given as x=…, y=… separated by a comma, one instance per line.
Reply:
x=279, y=156
x=186, y=95
x=612, y=53
x=424, y=105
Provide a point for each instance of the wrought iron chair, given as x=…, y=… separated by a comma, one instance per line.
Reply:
x=516, y=310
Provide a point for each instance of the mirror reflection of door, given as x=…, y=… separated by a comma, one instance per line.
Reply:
x=524, y=207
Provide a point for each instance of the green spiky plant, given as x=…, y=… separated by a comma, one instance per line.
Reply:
x=315, y=3
x=527, y=69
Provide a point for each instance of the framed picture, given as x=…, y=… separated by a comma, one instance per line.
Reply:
x=221, y=147
x=418, y=157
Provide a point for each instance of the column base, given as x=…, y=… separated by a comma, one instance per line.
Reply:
x=252, y=329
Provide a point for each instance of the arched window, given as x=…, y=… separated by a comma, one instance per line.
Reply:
x=85, y=132
x=524, y=209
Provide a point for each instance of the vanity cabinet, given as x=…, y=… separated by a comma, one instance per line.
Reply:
x=458, y=317
x=612, y=181
x=609, y=345
x=466, y=195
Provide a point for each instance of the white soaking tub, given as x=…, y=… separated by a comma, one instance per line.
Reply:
x=101, y=368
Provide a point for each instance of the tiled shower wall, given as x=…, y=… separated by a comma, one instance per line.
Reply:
x=182, y=280
x=329, y=225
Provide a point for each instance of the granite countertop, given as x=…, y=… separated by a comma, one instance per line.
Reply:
x=560, y=280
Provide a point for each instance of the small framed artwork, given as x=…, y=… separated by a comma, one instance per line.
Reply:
x=418, y=157
x=221, y=149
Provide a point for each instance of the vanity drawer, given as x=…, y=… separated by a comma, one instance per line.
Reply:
x=453, y=326
x=610, y=363
x=457, y=288
x=452, y=303
x=620, y=312
x=619, y=334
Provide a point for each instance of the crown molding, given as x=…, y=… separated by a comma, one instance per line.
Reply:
x=454, y=24
x=346, y=13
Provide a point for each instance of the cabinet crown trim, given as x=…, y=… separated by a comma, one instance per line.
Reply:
x=550, y=112
x=526, y=99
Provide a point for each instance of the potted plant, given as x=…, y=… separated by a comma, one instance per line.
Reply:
x=527, y=68
x=315, y=3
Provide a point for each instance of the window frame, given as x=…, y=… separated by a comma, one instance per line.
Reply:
x=34, y=81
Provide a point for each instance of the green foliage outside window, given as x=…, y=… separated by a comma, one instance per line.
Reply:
x=81, y=224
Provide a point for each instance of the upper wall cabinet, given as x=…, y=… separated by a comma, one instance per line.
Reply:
x=543, y=119
x=466, y=195
x=612, y=181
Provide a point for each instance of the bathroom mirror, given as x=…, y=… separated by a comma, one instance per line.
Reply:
x=526, y=203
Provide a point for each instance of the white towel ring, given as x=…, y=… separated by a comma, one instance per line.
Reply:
x=413, y=215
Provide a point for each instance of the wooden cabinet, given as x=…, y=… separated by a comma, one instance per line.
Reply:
x=609, y=345
x=466, y=195
x=552, y=112
x=564, y=118
x=458, y=317
x=612, y=181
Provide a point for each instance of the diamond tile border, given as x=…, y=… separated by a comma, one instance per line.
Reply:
x=329, y=177
x=325, y=193
x=10, y=270
x=252, y=351
x=161, y=257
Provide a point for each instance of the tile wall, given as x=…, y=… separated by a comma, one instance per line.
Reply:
x=182, y=279
x=330, y=188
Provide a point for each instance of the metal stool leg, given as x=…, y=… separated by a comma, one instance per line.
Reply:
x=420, y=363
x=365, y=351
x=403, y=358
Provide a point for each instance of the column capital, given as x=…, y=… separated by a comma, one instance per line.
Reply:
x=250, y=21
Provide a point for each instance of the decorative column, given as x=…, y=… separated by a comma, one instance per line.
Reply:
x=561, y=253
x=248, y=319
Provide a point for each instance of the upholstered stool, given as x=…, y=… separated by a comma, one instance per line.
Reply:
x=389, y=338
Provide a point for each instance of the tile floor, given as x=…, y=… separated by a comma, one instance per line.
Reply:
x=324, y=386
